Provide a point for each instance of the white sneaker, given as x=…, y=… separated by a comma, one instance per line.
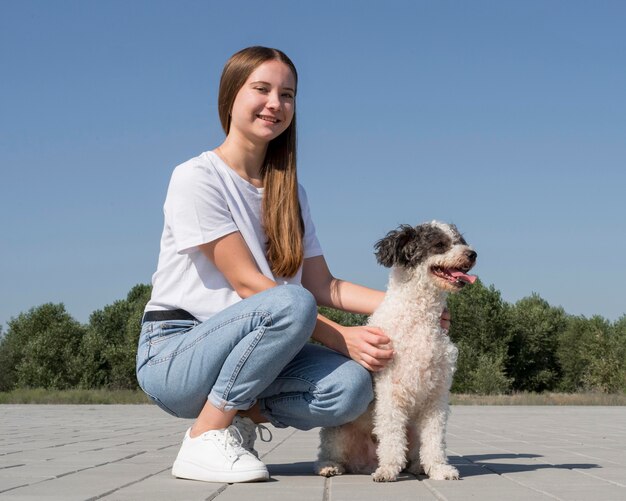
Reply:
x=247, y=429
x=217, y=456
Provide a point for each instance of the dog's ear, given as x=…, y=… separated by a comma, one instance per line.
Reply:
x=399, y=247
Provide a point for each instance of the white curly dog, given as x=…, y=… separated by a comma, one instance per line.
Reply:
x=405, y=426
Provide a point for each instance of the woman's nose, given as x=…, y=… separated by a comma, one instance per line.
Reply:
x=273, y=102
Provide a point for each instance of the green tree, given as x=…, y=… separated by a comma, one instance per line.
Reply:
x=480, y=373
x=592, y=355
x=535, y=329
x=110, y=346
x=9, y=357
x=480, y=329
x=572, y=352
x=619, y=352
x=40, y=349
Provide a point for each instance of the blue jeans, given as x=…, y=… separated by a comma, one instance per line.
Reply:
x=255, y=350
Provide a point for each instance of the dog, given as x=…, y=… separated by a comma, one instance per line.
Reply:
x=406, y=423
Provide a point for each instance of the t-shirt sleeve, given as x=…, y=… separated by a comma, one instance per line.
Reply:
x=312, y=245
x=195, y=207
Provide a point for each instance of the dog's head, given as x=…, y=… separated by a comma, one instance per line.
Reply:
x=437, y=247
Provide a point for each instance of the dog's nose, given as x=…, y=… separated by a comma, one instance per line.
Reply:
x=471, y=255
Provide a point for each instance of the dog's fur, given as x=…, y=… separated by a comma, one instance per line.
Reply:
x=406, y=423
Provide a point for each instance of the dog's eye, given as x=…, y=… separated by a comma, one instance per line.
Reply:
x=440, y=246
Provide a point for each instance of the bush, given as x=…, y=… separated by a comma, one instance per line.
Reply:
x=480, y=329
x=535, y=328
x=40, y=349
x=109, y=349
x=481, y=373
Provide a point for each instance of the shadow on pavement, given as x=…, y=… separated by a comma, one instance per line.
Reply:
x=487, y=464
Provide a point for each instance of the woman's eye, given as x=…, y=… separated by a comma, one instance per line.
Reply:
x=261, y=89
x=288, y=95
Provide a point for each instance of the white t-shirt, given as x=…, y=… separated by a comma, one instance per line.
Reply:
x=207, y=200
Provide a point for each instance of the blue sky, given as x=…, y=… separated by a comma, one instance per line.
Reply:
x=507, y=118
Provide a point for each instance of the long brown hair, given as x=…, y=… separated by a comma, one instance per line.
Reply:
x=282, y=219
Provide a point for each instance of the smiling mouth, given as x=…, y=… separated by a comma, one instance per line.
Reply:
x=268, y=119
x=455, y=276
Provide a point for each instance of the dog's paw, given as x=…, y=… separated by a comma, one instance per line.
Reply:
x=442, y=472
x=385, y=474
x=329, y=469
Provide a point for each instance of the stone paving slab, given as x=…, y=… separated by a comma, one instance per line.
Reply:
x=125, y=452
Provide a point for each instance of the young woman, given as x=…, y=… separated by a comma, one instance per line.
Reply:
x=240, y=274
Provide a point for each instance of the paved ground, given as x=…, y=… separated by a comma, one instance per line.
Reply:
x=125, y=453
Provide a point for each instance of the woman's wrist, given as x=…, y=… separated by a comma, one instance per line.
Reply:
x=330, y=334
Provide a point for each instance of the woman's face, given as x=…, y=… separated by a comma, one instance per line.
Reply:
x=265, y=104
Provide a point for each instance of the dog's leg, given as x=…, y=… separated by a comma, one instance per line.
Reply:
x=413, y=455
x=331, y=455
x=433, y=444
x=390, y=430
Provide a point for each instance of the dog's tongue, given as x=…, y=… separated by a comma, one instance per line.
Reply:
x=459, y=275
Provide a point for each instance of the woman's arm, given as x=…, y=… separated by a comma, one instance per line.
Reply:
x=231, y=256
x=336, y=293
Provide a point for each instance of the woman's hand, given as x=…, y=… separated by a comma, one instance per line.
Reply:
x=445, y=319
x=369, y=346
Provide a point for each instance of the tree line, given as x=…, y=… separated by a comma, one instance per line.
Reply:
x=526, y=346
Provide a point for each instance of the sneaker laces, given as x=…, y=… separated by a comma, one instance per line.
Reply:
x=248, y=432
x=262, y=428
x=231, y=440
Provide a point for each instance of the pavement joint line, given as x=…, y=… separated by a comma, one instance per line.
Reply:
x=556, y=466
x=557, y=448
x=166, y=446
x=11, y=452
x=112, y=446
x=74, y=472
x=16, y=487
x=11, y=466
x=130, y=456
x=587, y=456
x=511, y=479
x=598, y=478
x=526, y=486
x=575, y=440
x=434, y=491
x=100, y=496
x=96, y=466
x=60, y=445
x=67, y=473
x=326, y=493
x=217, y=492
x=280, y=443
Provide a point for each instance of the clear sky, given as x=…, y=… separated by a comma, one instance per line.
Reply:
x=507, y=118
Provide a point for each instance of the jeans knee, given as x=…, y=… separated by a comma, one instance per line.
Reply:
x=350, y=395
x=359, y=393
x=299, y=306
